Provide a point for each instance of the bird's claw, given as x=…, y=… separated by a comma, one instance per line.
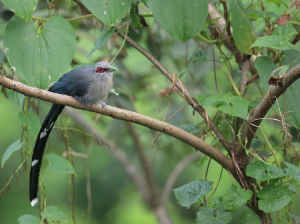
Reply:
x=103, y=104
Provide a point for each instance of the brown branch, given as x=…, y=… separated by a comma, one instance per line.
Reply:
x=175, y=174
x=117, y=153
x=261, y=110
x=126, y=115
x=181, y=88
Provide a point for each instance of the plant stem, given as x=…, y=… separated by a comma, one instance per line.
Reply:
x=69, y=20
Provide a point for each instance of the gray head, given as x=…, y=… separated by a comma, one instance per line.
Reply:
x=104, y=66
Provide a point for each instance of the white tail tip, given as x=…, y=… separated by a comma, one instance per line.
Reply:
x=33, y=202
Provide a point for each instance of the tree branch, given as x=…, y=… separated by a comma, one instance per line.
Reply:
x=126, y=115
x=181, y=88
x=264, y=106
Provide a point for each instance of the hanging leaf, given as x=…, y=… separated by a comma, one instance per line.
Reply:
x=183, y=20
x=59, y=164
x=10, y=150
x=105, y=35
x=210, y=216
x=273, y=198
x=28, y=219
x=40, y=55
x=262, y=171
x=235, y=197
x=23, y=9
x=53, y=213
x=110, y=12
x=33, y=122
x=242, y=29
x=189, y=193
x=15, y=97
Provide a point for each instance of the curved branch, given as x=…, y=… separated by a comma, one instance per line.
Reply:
x=264, y=106
x=126, y=115
x=181, y=88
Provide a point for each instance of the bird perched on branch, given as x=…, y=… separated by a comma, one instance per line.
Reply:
x=89, y=84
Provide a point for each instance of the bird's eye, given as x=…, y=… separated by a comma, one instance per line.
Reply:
x=100, y=70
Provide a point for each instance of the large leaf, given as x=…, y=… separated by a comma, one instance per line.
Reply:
x=265, y=66
x=40, y=55
x=291, y=95
x=59, y=164
x=236, y=197
x=280, y=38
x=273, y=198
x=183, y=20
x=248, y=217
x=233, y=105
x=210, y=216
x=33, y=122
x=28, y=219
x=53, y=213
x=23, y=9
x=263, y=172
x=293, y=171
x=110, y=12
x=189, y=193
x=242, y=30
x=10, y=150
x=15, y=97
x=105, y=35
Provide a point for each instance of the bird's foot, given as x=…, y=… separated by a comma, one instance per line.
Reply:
x=103, y=104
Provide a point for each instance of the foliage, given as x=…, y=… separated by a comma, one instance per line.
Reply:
x=205, y=52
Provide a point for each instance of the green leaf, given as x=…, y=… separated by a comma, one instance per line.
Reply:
x=291, y=102
x=23, y=9
x=10, y=150
x=201, y=97
x=105, y=35
x=137, y=20
x=33, y=122
x=196, y=57
x=287, y=32
x=28, y=219
x=242, y=30
x=190, y=128
x=2, y=29
x=265, y=66
x=262, y=171
x=235, y=197
x=188, y=194
x=40, y=55
x=58, y=164
x=233, y=105
x=53, y=213
x=183, y=20
x=275, y=42
x=273, y=198
x=248, y=217
x=15, y=97
x=291, y=188
x=293, y=171
x=110, y=12
x=280, y=38
x=210, y=216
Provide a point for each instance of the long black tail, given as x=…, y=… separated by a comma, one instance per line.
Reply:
x=39, y=148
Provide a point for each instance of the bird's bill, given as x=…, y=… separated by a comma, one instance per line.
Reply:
x=111, y=69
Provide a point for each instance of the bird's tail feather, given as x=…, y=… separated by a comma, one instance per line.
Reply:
x=39, y=148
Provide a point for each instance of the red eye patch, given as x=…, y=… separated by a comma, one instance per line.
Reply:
x=101, y=69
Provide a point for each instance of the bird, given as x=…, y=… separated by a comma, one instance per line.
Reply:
x=88, y=85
